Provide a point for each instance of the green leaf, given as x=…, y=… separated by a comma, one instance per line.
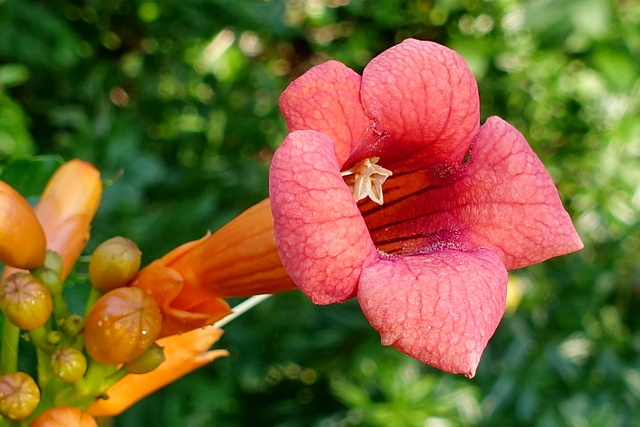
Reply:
x=29, y=176
x=13, y=75
x=15, y=139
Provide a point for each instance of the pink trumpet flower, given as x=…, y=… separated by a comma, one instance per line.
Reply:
x=388, y=189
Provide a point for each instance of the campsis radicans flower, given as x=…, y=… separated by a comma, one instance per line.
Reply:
x=388, y=189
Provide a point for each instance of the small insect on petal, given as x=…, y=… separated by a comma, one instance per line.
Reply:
x=365, y=179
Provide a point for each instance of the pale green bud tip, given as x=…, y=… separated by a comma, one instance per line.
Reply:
x=147, y=362
x=114, y=263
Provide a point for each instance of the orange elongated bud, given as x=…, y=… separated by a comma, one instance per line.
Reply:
x=64, y=416
x=22, y=239
x=240, y=259
x=67, y=207
x=184, y=353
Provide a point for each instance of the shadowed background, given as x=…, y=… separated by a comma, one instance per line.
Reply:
x=176, y=103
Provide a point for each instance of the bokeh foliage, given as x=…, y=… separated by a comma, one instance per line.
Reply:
x=176, y=103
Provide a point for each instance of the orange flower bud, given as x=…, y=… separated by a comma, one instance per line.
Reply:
x=121, y=326
x=64, y=416
x=25, y=301
x=19, y=395
x=22, y=240
x=66, y=208
x=114, y=263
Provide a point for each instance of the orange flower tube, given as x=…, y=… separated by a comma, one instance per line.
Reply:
x=240, y=259
x=184, y=353
x=67, y=206
x=22, y=240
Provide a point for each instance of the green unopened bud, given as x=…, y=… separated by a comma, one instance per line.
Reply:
x=50, y=272
x=52, y=281
x=73, y=325
x=69, y=364
x=53, y=262
x=19, y=395
x=25, y=301
x=114, y=263
x=147, y=362
x=53, y=337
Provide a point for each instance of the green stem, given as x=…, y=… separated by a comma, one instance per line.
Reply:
x=43, y=354
x=95, y=378
x=59, y=307
x=9, y=352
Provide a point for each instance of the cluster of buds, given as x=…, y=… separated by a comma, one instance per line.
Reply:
x=79, y=356
x=140, y=329
x=117, y=336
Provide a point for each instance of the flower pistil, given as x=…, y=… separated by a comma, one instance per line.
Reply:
x=365, y=179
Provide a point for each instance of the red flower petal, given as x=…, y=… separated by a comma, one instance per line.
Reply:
x=518, y=210
x=327, y=99
x=424, y=104
x=442, y=307
x=504, y=200
x=321, y=236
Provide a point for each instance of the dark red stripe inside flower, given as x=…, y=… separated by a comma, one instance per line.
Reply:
x=387, y=188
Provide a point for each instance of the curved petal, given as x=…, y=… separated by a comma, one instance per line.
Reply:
x=423, y=101
x=327, y=99
x=321, y=238
x=519, y=211
x=504, y=199
x=442, y=308
x=183, y=353
x=183, y=308
x=67, y=206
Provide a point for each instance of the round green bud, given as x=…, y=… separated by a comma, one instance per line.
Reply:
x=19, y=395
x=53, y=337
x=114, y=263
x=147, y=362
x=25, y=301
x=73, y=325
x=69, y=364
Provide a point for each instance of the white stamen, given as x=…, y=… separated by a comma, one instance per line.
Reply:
x=241, y=308
x=365, y=179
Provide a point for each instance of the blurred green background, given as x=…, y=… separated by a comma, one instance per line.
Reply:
x=175, y=101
